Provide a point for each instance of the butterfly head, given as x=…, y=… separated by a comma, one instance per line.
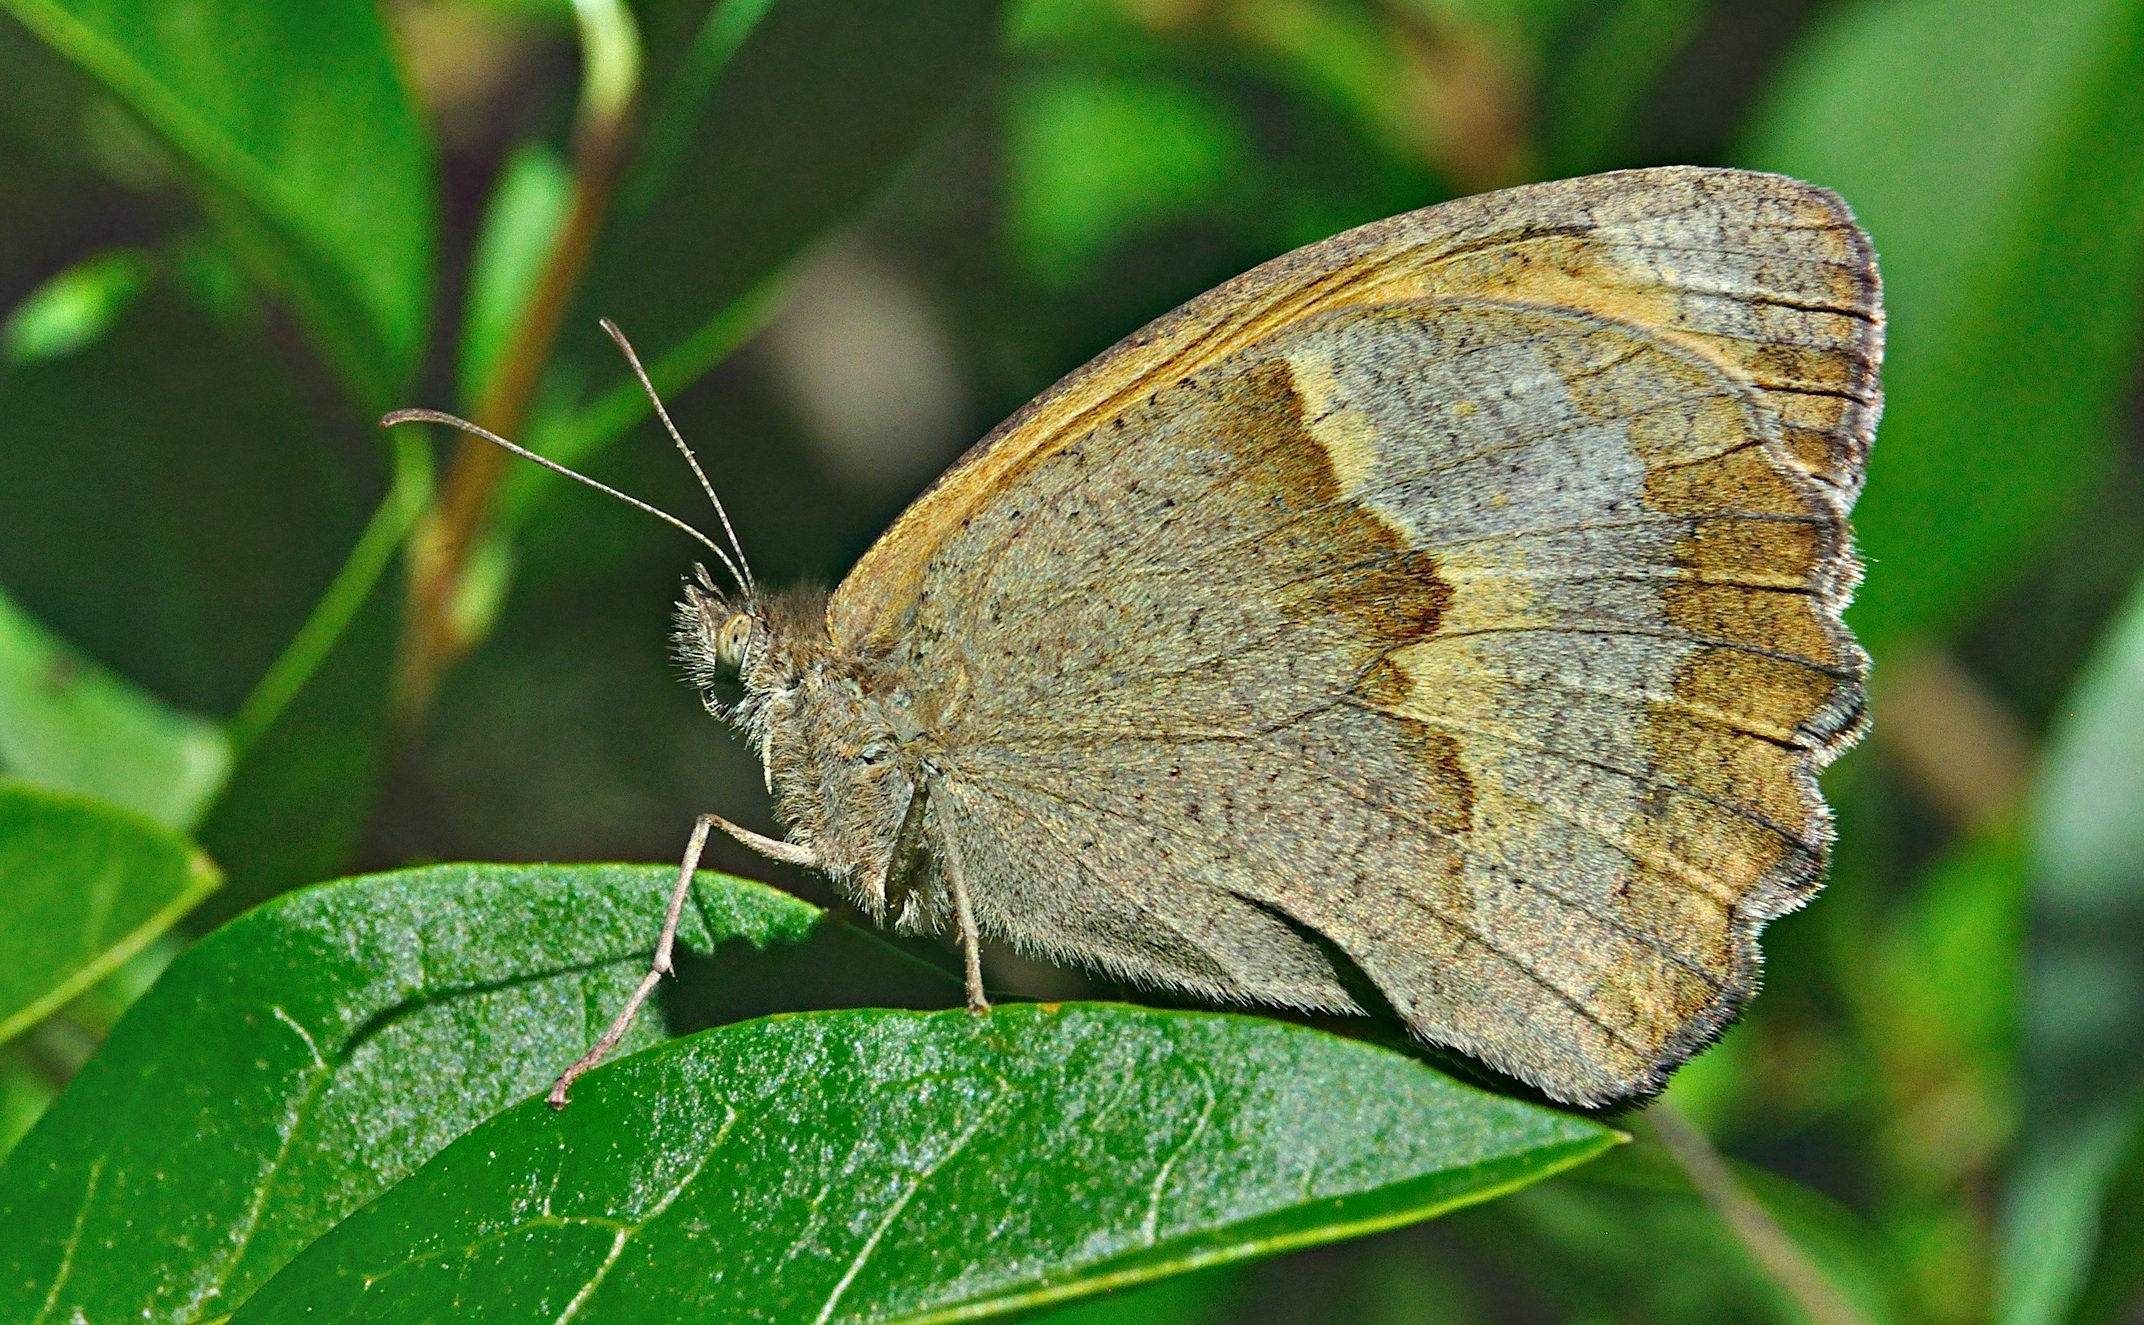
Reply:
x=742, y=648
x=720, y=635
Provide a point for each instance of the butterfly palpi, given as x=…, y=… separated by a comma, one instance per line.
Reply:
x=1450, y=609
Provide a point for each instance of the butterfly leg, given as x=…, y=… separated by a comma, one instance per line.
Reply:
x=662, y=966
x=971, y=942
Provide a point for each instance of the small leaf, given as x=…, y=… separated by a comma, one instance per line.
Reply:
x=300, y=1060
x=75, y=307
x=302, y=142
x=68, y=724
x=873, y=1165
x=1990, y=150
x=527, y=206
x=83, y=886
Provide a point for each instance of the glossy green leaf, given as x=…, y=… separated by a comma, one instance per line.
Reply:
x=1206, y=1297
x=300, y=1060
x=24, y=1094
x=1991, y=151
x=83, y=886
x=295, y=127
x=69, y=724
x=873, y=1165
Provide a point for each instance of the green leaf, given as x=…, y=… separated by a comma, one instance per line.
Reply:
x=2086, y=1005
x=24, y=1095
x=302, y=142
x=1991, y=151
x=75, y=307
x=2073, y=1247
x=1629, y=1239
x=1206, y=1297
x=2084, y=1016
x=69, y=724
x=83, y=886
x=2116, y=1274
x=178, y=505
x=1094, y=157
x=300, y=1060
x=873, y=1165
x=2089, y=808
x=1595, y=92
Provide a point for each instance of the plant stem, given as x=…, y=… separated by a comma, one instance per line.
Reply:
x=1780, y=1258
x=451, y=531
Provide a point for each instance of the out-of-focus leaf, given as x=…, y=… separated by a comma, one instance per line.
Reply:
x=173, y=504
x=1990, y=149
x=521, y=222
x=1940, y=1007
x=890, y=1166
x=82, y=887
x=297, y=1062
x=1093, y=157
x=69, y=724
x=2115, y=1282
x=298, y=799
x=76, y=306
x=2066, y=1231
x=2073, y=1249
x=1595, y=90
x=2089, y=810
x=1627, y=1239
x=805, y=120
x=303, y=143
x=2086, y=1006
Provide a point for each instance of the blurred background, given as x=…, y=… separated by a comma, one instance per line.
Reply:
x=849, y=238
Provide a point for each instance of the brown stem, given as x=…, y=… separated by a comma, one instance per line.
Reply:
x=1780, y=1258
x=453, y=528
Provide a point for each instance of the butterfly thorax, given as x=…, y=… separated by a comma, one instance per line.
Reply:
x=844, y=753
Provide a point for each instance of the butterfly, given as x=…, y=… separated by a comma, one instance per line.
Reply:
x=1447, y=614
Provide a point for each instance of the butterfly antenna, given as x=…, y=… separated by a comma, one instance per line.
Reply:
x=435, y=416
x=632, y=359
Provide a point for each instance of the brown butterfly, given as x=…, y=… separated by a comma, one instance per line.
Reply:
x=1456, y=600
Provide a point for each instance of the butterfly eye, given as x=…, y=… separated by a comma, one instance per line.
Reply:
x=733, y=640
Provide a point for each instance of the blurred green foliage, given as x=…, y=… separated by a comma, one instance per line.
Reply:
x=848, y=238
